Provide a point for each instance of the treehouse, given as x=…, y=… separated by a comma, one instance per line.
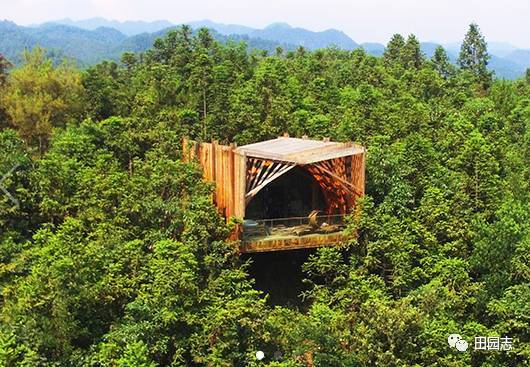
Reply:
x=287, y=193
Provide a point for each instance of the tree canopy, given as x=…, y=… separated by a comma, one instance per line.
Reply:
x=115, y=255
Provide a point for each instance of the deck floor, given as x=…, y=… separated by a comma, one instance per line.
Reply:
x=291, y=242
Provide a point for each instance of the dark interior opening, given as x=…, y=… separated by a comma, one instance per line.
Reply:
x=279, y=275
x=295, y=194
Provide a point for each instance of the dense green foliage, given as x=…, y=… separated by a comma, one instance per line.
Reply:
x=52, y=97
x=116, y=256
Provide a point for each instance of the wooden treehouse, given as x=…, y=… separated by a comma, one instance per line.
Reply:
x=288, y=193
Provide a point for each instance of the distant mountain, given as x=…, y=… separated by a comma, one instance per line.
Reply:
x=92, y=40
x=129, y=28
x=506, y=68
x=373, y=48
x=224, y=29
x=278, y=32
x=520, y=57
x=142, y=42
x=428, y=48
x=506, y=60
x=501, y=49
x=87, y=47
x=453, y=47
x=282, y=32
x=84, y=46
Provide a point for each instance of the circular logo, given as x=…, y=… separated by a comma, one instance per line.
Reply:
x=456, y=341
x=452, y=339
x=461, y=345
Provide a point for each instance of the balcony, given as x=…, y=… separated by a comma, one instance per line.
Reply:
x=292, y=233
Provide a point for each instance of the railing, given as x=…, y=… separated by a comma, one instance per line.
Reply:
x=293, y=226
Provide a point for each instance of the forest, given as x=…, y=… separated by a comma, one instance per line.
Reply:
x=112, y=253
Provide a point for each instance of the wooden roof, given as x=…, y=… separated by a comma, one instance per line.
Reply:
x=299, y=151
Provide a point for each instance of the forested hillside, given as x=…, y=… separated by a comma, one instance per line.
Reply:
x=112, y=254
x=89, y=47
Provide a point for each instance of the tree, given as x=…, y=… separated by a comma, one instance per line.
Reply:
x=394, y=49
x=14, y=170
x=481, y=169
x=441, y=63
x=474, y=56
x=4, y=65
x=105, y=85
x=128, y=59
x=412, y=56
x=39, y=96
x=136, y=355
x=201, y=73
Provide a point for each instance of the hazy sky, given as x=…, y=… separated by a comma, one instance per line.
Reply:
x=368, y=20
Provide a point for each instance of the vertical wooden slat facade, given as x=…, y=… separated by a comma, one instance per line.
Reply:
x=224, y=167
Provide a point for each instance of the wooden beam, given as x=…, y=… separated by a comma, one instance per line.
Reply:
x=262, y=173
x=312, y=152
x=339, y=153
x=338, y=178
x=254, y=172
x=255, y=190
x=271, y=170
x=264, y=155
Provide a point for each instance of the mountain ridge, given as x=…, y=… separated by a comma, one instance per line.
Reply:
x=108, y=39
x=128, y=28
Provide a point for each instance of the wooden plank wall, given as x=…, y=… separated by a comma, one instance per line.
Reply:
x=358, y=166
x=224, y=167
